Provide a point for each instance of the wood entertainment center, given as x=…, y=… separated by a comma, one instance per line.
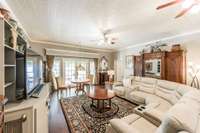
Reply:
x=171, y=64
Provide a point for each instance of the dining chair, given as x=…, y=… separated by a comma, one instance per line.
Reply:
x=60, y=86
x=91, y=78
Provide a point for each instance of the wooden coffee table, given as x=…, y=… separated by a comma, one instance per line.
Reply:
x=101, y=98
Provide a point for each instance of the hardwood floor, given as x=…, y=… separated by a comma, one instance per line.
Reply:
x=57, y=122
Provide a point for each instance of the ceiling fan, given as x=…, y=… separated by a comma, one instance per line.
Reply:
x=106, y=40
x=188, y=5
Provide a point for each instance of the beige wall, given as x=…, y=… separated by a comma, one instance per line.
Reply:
x=39, y=48
x=192, y=48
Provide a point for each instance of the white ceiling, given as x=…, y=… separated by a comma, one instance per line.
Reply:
x=80, y=21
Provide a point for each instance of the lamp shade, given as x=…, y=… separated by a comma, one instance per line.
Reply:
x=111, y=72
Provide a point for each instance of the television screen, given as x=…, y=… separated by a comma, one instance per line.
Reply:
x=33, y=71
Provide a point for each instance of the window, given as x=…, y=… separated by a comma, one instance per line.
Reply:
x=73, y=68
x=57, y=68
x=69, y=71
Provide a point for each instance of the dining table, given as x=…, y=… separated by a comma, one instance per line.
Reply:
x=80, y=84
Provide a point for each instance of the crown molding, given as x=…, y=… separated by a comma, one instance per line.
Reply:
x=72, y=46
x=179, y=37
x=71, y=53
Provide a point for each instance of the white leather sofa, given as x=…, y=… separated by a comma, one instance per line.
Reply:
x=182, y=117
x=153, y=93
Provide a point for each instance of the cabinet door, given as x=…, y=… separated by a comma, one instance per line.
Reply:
x=20, y=121
x=175, y=66
x=41, y=114
x=138, y=66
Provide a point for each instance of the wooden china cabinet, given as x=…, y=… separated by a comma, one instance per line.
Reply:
x=103, y=77
x=170, y=64
x=138, y=65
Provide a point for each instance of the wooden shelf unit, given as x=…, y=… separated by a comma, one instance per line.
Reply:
x=12, y=47
x=173, y=67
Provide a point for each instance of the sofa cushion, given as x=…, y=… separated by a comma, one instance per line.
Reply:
x=198, y=126
x=138, y=97
x=143, y=126
x=131, y=118
x=122, y=127
x=167, y=90
x=147, y=85
x=127, y=82
x=163, y=106
x=194, y=95
x=155, y=115
x=182, y=89
x=136, y=81
x=119, y=90
x=192, y=100
x=176, y=119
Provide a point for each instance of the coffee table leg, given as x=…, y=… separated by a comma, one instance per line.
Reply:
x=92, y=102
x=109, y=103
x=97, y=104
x=103, y=105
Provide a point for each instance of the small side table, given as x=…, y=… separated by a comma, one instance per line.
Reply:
x=109, y=85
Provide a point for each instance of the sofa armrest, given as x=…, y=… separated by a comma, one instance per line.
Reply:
x=132, y=88
x=118, y=83
x=120, y=126
x=154, y=115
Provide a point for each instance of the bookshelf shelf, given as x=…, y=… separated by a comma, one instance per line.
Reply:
x=8, y=84
x=13, y=51
x=7, y=65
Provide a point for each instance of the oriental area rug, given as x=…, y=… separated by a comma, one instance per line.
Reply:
x=81, y=118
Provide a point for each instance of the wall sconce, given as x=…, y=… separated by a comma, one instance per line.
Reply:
x=194, y=70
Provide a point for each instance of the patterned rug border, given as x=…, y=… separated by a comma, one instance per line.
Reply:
x=68, y=120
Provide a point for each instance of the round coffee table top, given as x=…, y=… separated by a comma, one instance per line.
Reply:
x=100, y=94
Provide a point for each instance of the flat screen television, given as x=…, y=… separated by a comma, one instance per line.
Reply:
x=33, y=71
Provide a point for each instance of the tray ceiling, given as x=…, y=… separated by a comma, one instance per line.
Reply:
x=80, y=22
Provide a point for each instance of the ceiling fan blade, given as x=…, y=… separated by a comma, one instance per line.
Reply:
x=168, y=4
x=183, y=12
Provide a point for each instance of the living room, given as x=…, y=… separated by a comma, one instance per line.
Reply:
x=99, y=66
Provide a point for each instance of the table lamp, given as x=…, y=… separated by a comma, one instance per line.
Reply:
x=111, y=73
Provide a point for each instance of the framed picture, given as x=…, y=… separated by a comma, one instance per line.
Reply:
x=129, y=61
